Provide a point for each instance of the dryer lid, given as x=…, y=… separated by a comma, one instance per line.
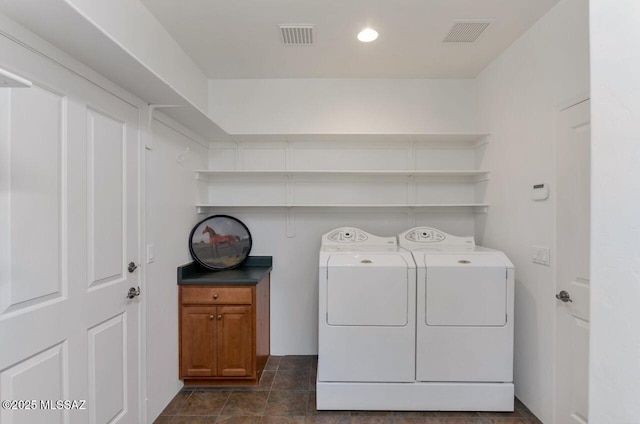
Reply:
x=367, y=260
x=463, y=260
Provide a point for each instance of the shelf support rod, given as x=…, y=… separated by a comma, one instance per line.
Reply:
x=291, y=223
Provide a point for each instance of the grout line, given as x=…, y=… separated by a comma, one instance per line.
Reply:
x=225, y=404
x=181, y=405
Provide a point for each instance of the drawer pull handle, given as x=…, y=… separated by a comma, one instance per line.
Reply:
x=219, y=316
x=215, y=296
x=210, y=316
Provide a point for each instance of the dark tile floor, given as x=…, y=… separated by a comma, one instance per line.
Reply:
x=286, y=395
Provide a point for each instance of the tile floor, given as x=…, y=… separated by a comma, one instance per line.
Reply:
x=286, y=395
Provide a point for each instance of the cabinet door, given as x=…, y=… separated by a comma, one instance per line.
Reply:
x=198, y=342
x=235, y=341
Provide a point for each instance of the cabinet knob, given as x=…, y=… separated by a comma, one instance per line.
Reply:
x=210, y=316
x=215, y=296
x=219, y=316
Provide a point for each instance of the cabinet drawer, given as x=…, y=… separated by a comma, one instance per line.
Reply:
x=217, y=295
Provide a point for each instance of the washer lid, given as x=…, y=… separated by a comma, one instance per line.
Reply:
x=372, y=260
x=463, y=260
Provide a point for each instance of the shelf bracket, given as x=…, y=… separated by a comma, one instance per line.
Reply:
x=148, y=144
x=411, y=217
x=291, y=223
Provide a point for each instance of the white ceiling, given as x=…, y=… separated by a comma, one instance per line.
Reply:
x=241, y=39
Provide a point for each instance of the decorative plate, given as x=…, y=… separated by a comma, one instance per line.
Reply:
x=220, y=242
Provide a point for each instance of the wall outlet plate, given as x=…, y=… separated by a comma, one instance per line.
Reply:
x=540, y=191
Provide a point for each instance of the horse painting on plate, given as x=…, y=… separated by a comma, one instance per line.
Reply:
x=220, y=242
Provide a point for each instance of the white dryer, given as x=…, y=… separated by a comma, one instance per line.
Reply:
x=464, y=316
x=366, y=330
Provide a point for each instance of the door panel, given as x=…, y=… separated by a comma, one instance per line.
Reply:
x=69, y=186
x=106, y=172
x=107, y=388
x=41, y=377
x=34, y=229
x=573, y=225
x=198, y=356
x=235, y=341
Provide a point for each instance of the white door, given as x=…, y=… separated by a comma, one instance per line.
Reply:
x=68, y=229
x=574, y=213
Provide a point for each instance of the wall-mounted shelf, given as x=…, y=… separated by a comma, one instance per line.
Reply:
x=473, y=207
x=416, y=174
x=207, y=175
x=463, y=140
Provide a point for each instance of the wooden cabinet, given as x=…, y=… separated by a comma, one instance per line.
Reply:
x=224, y=333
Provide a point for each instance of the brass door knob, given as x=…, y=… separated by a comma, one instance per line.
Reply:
x=219, y=316
x=210, y=316
x=215, y=296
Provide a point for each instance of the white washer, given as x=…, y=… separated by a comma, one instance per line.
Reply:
x=366, y=331
x=464, y=314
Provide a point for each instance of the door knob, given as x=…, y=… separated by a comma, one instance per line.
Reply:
x=564, y=296
x=133, y=292
x=132, y=267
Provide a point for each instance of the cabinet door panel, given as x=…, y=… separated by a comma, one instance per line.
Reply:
x=235, y=341
x=198, y=341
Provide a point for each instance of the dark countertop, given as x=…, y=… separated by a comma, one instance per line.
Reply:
x=254, y=269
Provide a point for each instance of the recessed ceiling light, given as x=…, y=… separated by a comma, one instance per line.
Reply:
x=367, y=35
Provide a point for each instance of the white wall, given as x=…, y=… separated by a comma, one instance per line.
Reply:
x=170, y=215
x=615, y=236
x=518, y=97
x=276, y=106
x=293, y=106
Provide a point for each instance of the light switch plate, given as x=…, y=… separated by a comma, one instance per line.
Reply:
x=150, y=254
x=541, y=255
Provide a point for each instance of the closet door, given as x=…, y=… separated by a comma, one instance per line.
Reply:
x=70, y=226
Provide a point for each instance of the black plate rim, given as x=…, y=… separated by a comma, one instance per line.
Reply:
x=213, y=268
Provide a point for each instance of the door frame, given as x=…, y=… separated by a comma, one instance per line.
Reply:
x=24, y=38
x=562, y=106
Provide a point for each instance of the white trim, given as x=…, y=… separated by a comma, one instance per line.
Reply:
x=144, y=132
x=179, y=128
x=26, y=39
x=418, y=396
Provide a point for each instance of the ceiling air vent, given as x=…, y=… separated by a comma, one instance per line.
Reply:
x=466, y=30
x=297, y=35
